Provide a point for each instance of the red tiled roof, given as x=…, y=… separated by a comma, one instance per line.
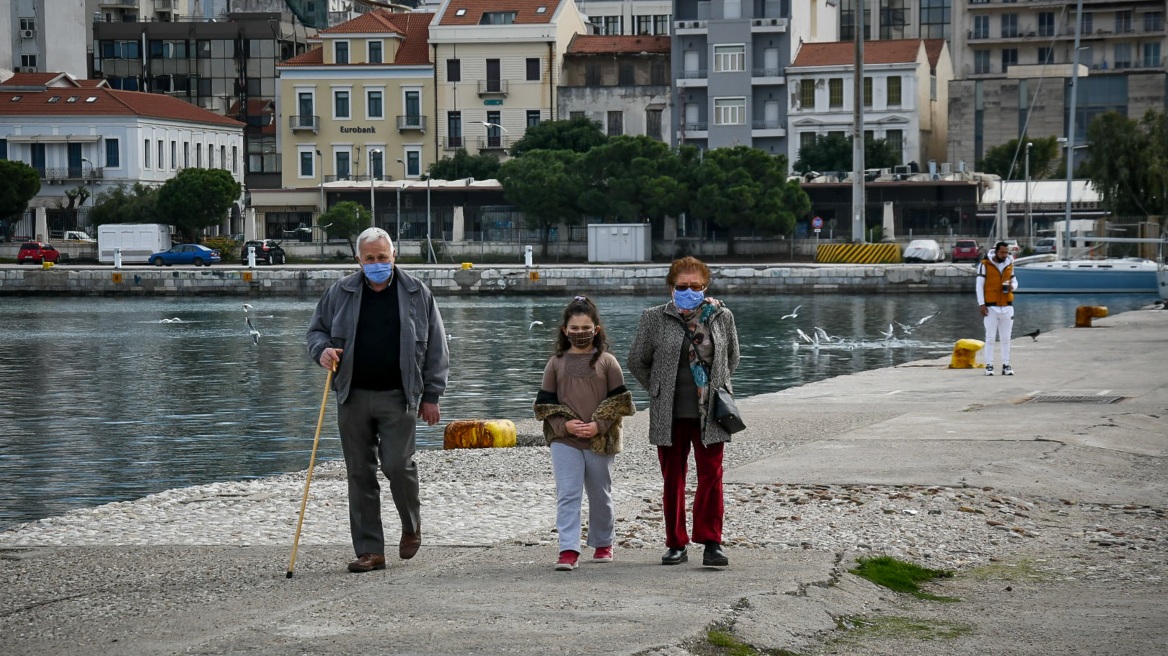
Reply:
x=33, y=79
x=525, y=11
x=843, y=53
x=107, y=102
x=92, y=84
x=595, y=44
x=372, y=22
x=413, y=50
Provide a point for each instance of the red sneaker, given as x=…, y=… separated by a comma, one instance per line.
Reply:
x=602, y=555
x=567, y=561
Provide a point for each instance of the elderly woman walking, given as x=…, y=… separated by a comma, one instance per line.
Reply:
x=683, y=352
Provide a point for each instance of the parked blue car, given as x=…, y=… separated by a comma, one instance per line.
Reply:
x=186, y=254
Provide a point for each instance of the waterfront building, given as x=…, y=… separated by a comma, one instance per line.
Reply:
x=620, y=82
x=628, y=17
x=905, y=91
x=27, y=45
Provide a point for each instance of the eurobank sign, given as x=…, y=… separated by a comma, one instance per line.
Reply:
x=358, y=130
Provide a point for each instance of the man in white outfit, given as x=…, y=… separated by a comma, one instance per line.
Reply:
x=995, y=299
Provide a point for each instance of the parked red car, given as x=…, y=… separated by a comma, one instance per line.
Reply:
x=966, y=250
x=37, y=252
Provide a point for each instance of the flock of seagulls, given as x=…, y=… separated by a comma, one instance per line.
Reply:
x=819, y=337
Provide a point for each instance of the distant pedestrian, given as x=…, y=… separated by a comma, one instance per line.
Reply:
x=381, y=330
x=683, y=352
x=581, y=401
x=995, y=299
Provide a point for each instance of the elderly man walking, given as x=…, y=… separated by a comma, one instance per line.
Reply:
x=381, y=331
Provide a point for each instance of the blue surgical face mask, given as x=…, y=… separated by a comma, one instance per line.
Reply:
x=688, y=299
x=378, y=272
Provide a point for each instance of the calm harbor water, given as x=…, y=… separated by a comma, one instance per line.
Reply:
x=109, y=399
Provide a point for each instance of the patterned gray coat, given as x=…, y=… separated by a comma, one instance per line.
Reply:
x=653, y=359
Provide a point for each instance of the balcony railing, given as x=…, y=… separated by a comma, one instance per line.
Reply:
x=411, y=122
x=493, y=143
x=304, y=123
x=768, y=125
x=163, y=5
x=767, y=72
x=493, y=87
x=71, y=173
x=696, y=127
x=117, y=3
x=694, y=75
x=453, y=143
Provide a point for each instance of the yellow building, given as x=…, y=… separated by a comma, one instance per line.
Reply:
x=356, y=105
x=498, y=65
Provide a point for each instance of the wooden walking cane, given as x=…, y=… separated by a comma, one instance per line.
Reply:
x=311, y=462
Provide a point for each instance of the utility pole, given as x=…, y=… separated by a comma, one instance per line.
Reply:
x=858, y=130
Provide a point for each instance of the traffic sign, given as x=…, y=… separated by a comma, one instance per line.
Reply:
x=817, y=223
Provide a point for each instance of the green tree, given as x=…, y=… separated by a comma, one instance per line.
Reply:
x=346, y=220
x=196, y=199
x=137, y=204
x=1009, y=161
x=577, y=135
x=744, y=187
x=833, y=152
x=1128, y=164
x=633, y=179
x=21, y=184
x=545, y=186
x=465, y=165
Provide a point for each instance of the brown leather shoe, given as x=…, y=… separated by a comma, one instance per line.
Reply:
x=408, y=547
x=367, y=562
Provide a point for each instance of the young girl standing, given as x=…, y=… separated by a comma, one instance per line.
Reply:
x=581, y=401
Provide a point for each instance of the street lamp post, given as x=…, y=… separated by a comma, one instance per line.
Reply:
x=372, y=211
x=429, y=245
x=320, y=156
x=1029, y=219
x=399, y=188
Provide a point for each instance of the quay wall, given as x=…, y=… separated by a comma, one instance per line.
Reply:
x=486, y=280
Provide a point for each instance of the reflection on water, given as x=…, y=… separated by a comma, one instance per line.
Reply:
x=106, y=400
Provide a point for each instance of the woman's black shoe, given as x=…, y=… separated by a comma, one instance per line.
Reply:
x=714, y=556
x=675, y=557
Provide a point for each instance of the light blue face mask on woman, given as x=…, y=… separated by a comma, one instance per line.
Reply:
x=688, y=299
x=377, y=272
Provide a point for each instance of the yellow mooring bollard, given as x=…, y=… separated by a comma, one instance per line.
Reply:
x=479, y=434
x=466, y=266
x=965, y=353
x=1085, y=313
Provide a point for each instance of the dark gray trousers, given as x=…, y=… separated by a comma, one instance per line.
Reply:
x=374, y=425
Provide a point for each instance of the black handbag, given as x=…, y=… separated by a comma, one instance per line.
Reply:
x=726, y=411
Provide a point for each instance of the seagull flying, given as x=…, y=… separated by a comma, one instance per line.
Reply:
x=888, y=334
x=907, y=329
x=804, y=336
x=246, y=307
x=488, y=124
x=821, y=335
x=1034, y=335
x=255, y=334
x=534, y=324
x=794, y=314
x=922, y=320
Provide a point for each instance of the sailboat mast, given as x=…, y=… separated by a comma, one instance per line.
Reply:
x=1071, y=125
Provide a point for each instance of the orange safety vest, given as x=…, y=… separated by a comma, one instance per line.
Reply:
x=994, y=280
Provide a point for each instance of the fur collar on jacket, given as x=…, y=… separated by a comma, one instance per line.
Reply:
x=610, y=409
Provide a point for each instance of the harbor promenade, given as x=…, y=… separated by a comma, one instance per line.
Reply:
x=1044, y=492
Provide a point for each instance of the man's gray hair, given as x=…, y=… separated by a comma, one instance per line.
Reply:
x=371, y=235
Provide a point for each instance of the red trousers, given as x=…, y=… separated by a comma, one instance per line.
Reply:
x=707, y=506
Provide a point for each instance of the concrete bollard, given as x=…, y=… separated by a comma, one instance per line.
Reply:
x=479, y=434
x=1085, y=313
x=965, y=353
x=251, y=257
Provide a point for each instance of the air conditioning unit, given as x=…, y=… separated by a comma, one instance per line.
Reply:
x=26, y=69
x=27, y=34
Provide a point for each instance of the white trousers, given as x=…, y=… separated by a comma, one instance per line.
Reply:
x=998, y=323
x=578, y=471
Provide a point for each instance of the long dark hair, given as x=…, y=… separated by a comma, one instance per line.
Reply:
x=581, y=305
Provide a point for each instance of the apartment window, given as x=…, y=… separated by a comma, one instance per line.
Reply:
x=342, y=161
x=1009, y=58
x=835, y=93
x=374, y=52
x=341, y=52
x=235, y=159
x=729, y=111
x=413, y=163
x=981, y=62
x=729, y=58
x=935, y=19
x=453, y=70
x=806, y=139
x=627, y=76
x=306, y=164
x=377, y=163
x=611, y=25
x=1009, y=25
x=575, y=116
x=494, y=132
x=894, y=89
x=1045, y=55
x=28, y=61
x=896, y=143
x=1088, y=22
x=497, y=18
x=198, y=156
x=340, y=104
x=186, y=154
x=494, y=75
x=113, y=154
x=210, y=156
x=653, y=123
x=644, y=24
x=1123, y=55
x=412, y=101
x=28, y=23
x=616, y=123
x=807, y=94
x=1151, y=55
x=1046, y=23
x=732, y=9
x=533, y=69
x=591, y=74
x=981, y=27
x=3, y=149
x=893, y=19
x=657, y=74
x=305, y=103
x=1153, y=21
x=173, y=154
x=1123, y=21
x=661, y=24
x=454, y=130
x=222, y=157
x=161, y=152
x=867, y=92
x=533, y=117
x=146, y=154
x=375, y=104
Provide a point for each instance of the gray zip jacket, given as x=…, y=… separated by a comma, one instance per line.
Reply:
x=653, y=359
x=425, y=359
